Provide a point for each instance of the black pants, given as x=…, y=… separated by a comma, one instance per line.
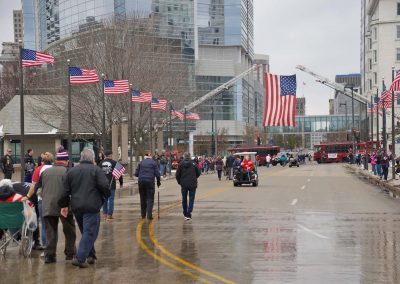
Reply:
x=219, y=174
x=8, y=174
x=385, y=171
x=146, y=191
x=51, y=223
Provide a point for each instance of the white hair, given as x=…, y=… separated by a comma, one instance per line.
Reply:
x=6, y=182
x=87, y=155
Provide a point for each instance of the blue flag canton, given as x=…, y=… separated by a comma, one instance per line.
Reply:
x=135, y=93
x=288, y=85
x=28, y=54
x=154, y=101
x=376, y=100
x=109, y=83
x=75, y=71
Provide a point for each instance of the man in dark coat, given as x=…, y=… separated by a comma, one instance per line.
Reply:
x=186, y=176
x=29, y=165
x=147, y=171
x=7, y=165
x=85, y=189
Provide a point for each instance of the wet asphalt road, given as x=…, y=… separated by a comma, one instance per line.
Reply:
x=313, y=224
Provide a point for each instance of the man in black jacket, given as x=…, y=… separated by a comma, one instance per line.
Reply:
x=86, y=188
x=147, y=171
x=29, y=165
x=186, y=176
x=7, y=165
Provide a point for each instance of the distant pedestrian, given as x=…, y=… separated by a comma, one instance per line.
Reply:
x=385, y=165
x=7, y=165
x=219, y=165
x=108, y=165
x=378, y=158
x=85, y=189
x=147, y=171
x=267, y=160
x=51, y=183
x=163, y=165
x=373, y=163
x=186, y=176
x=29, y=165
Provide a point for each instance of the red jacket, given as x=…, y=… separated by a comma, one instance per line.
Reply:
x=247, y=165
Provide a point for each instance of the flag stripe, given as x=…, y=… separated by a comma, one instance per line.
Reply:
x=116, y=86
x=31, y=58
x=82, y=76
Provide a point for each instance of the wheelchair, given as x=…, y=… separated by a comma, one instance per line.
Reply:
x=13, y=228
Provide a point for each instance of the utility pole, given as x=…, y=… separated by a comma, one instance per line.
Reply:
x=352, y=120
x=69, y=118
x=384, y=119
x=21, y=111
x=212, y=132
x=372, y=121
x=185, y=130
x=130, y=131
x=103, y=128
x=377, y=116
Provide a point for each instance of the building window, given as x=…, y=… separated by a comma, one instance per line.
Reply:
x=370, y=84
x=375, y=78
x=375, y=34
x=398, y=9
x=375, y=56
x=370, y=43
x=370, y=63
x=398, y=32
x=398, y=100
x=397, y=54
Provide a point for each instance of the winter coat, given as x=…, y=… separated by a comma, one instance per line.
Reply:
x=147, y=170
x=187, y=174
x=108, y=165
x=85, y=188
x=373, y=160
x=29, y=165
x=219, y=164
x=7, y=164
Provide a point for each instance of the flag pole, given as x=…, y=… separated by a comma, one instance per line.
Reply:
x=393, y=133
x=151, y=129
x=130, y=131
x=103, y=128
x=22, y=111
x=372, y=120
x=69, y=118
x=170, y=127
x=185, y=132
x=377, y=115
x=384, y=118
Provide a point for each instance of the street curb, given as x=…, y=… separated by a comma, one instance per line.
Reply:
x=393, y=190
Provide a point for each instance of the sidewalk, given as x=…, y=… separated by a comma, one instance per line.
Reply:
x=393, y=186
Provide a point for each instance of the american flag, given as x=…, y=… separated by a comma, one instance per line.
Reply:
x=116, y=86
x=372, y=108
x=192, y=116
x=118, y=170
x=396, y=83
x=139, y=97
x=386, y=99
x=158, y=104
x=280, y=103
x=177, y=114
x=82, y=76
x=35, y=58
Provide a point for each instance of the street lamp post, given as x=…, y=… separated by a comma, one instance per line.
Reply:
x=384, y=120
x=393, y=133
x=345, y=111
x=212, y=132
x=352, y=120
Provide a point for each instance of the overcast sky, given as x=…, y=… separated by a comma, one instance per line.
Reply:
x=319, y=34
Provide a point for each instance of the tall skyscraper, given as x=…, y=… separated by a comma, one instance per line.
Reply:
x=18, y=25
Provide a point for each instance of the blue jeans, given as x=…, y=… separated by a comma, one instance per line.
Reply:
x=43, y=227
x=374, y=169
x=162, y=169
x=379, y=169
x=28, y=178
x=108, y=206
x=89, y=225
x=187, y=211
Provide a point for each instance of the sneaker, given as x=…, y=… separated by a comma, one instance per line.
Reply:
x=104, y=216
x=42, y=254
x=37, y=246
x=187, y=218
x=49, y=259
x=75, y=262
x=91, y=260
x=110, y=218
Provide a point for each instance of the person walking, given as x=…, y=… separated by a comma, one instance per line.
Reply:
x=385, y=165
x=51, y=182
x=267, y=160
x=378, y=159
x=373, y=163
x=29, y=165
x=186, y=176
x=163, y=165
x=7, y=165
x=147, y=171
x=85, y=189
x=219, y=164
x=108, y=165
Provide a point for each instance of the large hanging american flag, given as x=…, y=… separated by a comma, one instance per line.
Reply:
x=82, y=76
x=177, y=114
x=116, y=86
x=192, y=116
x=35, y=58
x=118, y=171
x=280, y=103
x=140, y=97
x=396, y=83
x=158, y=104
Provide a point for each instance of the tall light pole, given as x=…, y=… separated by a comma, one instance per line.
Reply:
x=130, y=131
x=384, y=119
x=212, y=132
x=21, y=111
x=103, y=128
x=393, y=133
x=352, y=120
x=345, y=111
x=69, y=117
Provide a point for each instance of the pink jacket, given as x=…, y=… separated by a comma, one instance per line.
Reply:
x=373, y=160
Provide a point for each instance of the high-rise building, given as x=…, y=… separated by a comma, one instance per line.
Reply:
x=300, y=106
x=343, y=102
x=216, y=43
x=18, y=26
x=331, y=106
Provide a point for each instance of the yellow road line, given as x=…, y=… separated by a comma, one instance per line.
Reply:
x=146, y=249
x=178, y=259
